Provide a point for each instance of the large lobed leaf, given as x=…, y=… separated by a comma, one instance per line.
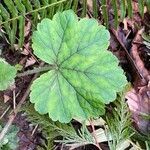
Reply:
x=7, y=75
x=86, y=76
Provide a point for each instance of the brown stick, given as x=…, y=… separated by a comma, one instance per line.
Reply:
x=94, y=135
x=135, y=55
x=128, y=55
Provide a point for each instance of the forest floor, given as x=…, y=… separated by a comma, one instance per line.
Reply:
x=126, y=43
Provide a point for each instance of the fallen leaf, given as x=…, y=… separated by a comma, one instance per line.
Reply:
x=139, y=104
x=25, y=50
x=30, y=62
x=27, y=28
x=6, y=98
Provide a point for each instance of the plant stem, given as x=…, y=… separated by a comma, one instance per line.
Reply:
x=36, y=70
x=94, y=135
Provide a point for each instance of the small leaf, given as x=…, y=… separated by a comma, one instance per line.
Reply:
x=7, y=75
x=85, y=77
x=10, y=141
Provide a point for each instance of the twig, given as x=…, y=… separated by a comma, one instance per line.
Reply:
x=94, y=135
x=7, y=126
x=33, y=131
x=75, y=146
x=14, y=100
x=136, y=57
x=14, y=112
x=127, y=53
x=5, y=112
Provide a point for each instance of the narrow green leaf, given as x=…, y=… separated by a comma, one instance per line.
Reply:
x=146, y=43
x=85, y=76
x=1, y=19
x=36, y=3
x=148, y=5
x=11, y=7
x=147, y=145
x=7, y=75
x=21, y=31
x=84, y=8
x=39, y=14
x=52, y=9
x=60, y=7
x=13, y=33
x=95, y=12
x=27, y=4
x=123, y=8
x=5, y=16
x=115, y=9
x=14, y=13
x=75, y=5
x=69, y=4
x=141, y=7
x=20, y=6
x=105, y=12
x=146, y=37
x=45, y=2
x=4, y=13
x=129, y=4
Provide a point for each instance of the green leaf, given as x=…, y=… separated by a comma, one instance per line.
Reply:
x=123, y=9
x=119, y=122
x=141, y=7
x=130, y=9
x=10, y=141
x=85, y=76
x=105, y=12
x=7, y=75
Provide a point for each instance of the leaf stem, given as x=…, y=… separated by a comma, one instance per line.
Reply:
x=94, y=135
x=36, y=70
